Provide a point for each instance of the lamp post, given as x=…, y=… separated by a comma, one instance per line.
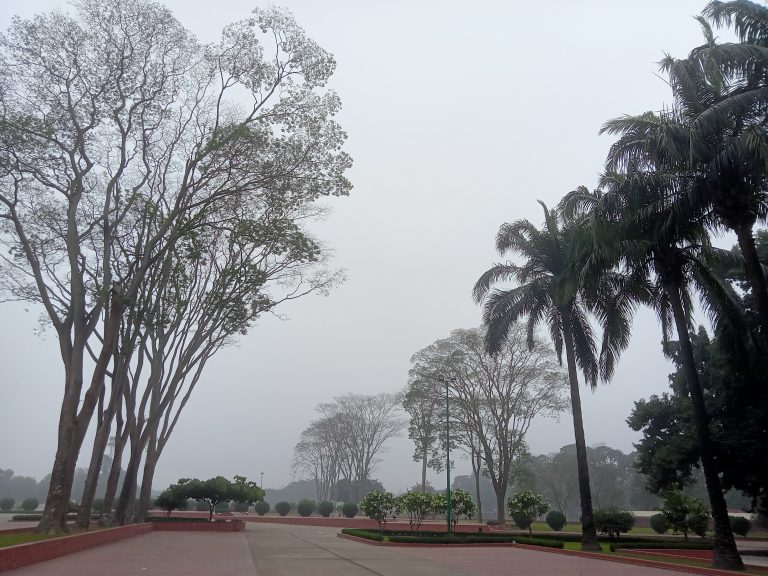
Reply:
x=261, y=482
x=447, y=456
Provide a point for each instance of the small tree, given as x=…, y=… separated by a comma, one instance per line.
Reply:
x=6, y=504
x=283, y=507
x=171, y=499
x=379, y=506
x=30, y=504
x=556, y=520
x=525, y=507
x=614, y=522
x=416, y=505
x=305, y=507
x=685, y=513
x=261, y=508
x=349, y=509
x=218, y=490
x=659, y=523
x=325, y=508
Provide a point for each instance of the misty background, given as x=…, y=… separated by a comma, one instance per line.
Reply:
x=459, y=117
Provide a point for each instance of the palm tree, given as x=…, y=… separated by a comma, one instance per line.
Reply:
x=637, y=225
x=715, y=135
x=551, y=291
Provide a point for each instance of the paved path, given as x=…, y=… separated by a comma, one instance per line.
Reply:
x=282, y=550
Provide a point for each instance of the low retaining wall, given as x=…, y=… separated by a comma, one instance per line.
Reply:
x=12, y=557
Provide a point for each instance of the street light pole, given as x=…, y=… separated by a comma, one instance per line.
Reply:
x=261, y=482
x=448, y=457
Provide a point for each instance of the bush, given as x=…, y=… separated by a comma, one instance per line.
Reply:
x=6, y=504
x=349, y=509
x=261, y=508
x=522, y=521
x=379, y=506
x=326, y=508
x=614, y=522
x=739, y=525
x=283, y=507
x=443, y=538
x=74, y=507
x=30, y=504
x=201, y=506
x=305, y=507
x=221, y=507
x=669, y=545
x=539, y=542
x=525, y=507
x=556, y=520
x=241, y=506
x=685, y=513
x=659, y=523
x=98, y=505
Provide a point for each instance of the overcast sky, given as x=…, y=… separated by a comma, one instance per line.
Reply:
x=459, y=115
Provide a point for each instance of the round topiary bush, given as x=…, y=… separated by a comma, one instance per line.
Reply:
x=325, y=508
x=739, y=525
x=30, y=504
x=523, y=521
x=659, y=523
x=305, y=507
x=556, y=520
x=349, y=509
x=6, y=504
x=98, y=505
x=74, y=507
x=201, y=506
x=221, y=507
x=261, y=508
x=241, y=506
x=283, y=507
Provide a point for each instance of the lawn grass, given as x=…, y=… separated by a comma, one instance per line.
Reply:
x=575, y=528
x=21, y=538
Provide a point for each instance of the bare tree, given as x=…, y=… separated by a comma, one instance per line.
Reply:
x=494, y=398
x=354, y=428
x=116, y=116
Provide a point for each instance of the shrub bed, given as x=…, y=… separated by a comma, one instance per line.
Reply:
x=442, y=538
x=661, y=545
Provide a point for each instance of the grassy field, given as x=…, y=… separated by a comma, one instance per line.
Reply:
x=23, y=538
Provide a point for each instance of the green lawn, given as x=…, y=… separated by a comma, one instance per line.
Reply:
x=23, y=538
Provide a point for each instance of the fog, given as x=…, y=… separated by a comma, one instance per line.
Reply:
x=459, y=116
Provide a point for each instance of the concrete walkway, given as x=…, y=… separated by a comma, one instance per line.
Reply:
x=282, y=550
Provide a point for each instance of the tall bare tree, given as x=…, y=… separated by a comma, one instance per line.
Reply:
x=117, y=115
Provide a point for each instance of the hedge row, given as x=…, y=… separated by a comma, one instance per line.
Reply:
x=442, y=538
x=661, y=546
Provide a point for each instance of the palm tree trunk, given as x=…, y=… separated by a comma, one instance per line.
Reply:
x=589, y=533
x=755, y=274
x=726, y=555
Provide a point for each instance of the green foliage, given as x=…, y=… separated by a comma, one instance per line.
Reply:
x=416, y=505
x=740, y=525
x=326, y=508
x=241, y=506
x=659, y=523
x=539, y=542
x=6, y=504
x=556, y=520
x=666, y=545
x=98, y=505
x=613, y=522
x=283, y=507
x=171, y=499
x=434, y=537
x=74, y=507
x=216, y=492
x=685, y=513
x=305, y=507
x=201, y=506
x=261, y=508
x=349, y=509
x=525, y=507
x=221, y=507
x=379, y=506
x=30, y=504
x=462, y=505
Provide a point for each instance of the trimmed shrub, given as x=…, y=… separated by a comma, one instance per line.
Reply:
x=261, y=508
x=305, y=507
x=30, y=504
x=525, y=507
x=539, y=542
x=614, y=522
x=670, y=545
x=739, y=525
x=349, y=509
x=283, y=507
x=74, y=507
x=241, y=506
x=522, y=521
x=659, y=523
x=326, y=508
x=221, y=507
x=6, y=504
x=201, y=506
x=98, y=505
x=442, y=538
x=556, y=520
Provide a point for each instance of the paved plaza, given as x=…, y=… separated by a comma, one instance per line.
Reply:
x=283, y=550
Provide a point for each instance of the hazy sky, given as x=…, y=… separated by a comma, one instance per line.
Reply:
x=459, y=115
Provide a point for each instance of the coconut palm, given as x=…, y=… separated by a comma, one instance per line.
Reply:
x=647, y=237
x=715, y=135
x=551, y=291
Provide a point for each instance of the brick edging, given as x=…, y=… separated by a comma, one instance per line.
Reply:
x=595, y=556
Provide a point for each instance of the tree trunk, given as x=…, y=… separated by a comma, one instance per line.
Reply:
x=54, y=519
x=726, y=554
x=476, y=471
x=589, y=533
x=114, y=472
x=128, y=491
x=424, y=472
x=755, y=275
x=150, y=463
x=94, y=471
x=501, y=517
